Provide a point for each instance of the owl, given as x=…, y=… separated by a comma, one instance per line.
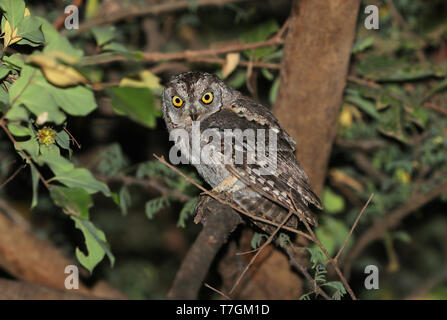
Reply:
x=238, y=147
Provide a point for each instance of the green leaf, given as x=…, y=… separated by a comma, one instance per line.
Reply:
x=186, y=212
x=35, y=183
x=257, y=238
x=136, y=103
x=402, y=236
x=49, y=31
x=19, y=130
x=365, y=105
x=125, y=200
x=267, y=74
x=66, y=173
x=332, y=202
x=63, y=139
x=103, y=35
x=39, y=96
x=82, y=178
x=14, y=11
x=439, y=87
x=4, y=71
x=4, y=101
x=96, y=243
x=31, y=146
x=339, y=289
x=274, y=90
x=52, y=157
x=257, y=34
x=384, y=68
x=75, y=201
x=362, y=44
x=30, y=90
x=391, y=124
x=284, y=239
x=76, y=101
x=61, y=44
x=153, y=206
x=316, y=256
x=112, y=160
x=237, y=79
x=116, y=47
x=15, y=61
x=29, y=29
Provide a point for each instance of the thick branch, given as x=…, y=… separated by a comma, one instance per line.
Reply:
x=35, y=260
x=218, y=221
x=19, y=290
x=313, y=76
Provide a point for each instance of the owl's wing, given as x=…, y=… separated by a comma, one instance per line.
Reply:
x=256, y=112
x=287, y=179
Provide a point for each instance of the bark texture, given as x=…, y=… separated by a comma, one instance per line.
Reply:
x=219, y=221
x=37, y=261
x=313, y=76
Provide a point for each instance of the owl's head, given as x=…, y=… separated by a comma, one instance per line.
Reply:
x=193, y=96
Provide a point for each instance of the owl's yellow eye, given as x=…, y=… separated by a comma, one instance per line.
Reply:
x=207, y=98
x=177, y=101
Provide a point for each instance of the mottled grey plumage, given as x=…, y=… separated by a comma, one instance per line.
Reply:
x=267, y=196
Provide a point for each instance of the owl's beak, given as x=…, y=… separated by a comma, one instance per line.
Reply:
x=194, y=116
x=194, y=113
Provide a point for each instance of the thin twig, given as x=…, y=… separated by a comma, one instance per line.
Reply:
x=13, y=175
x=353, y=227
x=247, y=252
x=72, y=138
x=202, y=55
x=217, y=291
x=333, y=262
x=364, y=82
x=146, y=183
x=266, y=243
x=294, y=262
x=191, y=54
x=436, y=108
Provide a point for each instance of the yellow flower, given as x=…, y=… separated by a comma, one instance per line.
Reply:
x=46, y=136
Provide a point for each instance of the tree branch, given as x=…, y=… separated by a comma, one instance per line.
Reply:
x=203, y=55
x=146, y=183
x=153, y=10
x=20, y=290
x=218, y=222
x=35, y=260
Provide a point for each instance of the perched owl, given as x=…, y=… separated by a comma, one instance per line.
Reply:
x=260, y=174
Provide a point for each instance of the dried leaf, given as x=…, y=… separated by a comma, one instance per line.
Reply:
x=231, y=62
x=57, y=73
